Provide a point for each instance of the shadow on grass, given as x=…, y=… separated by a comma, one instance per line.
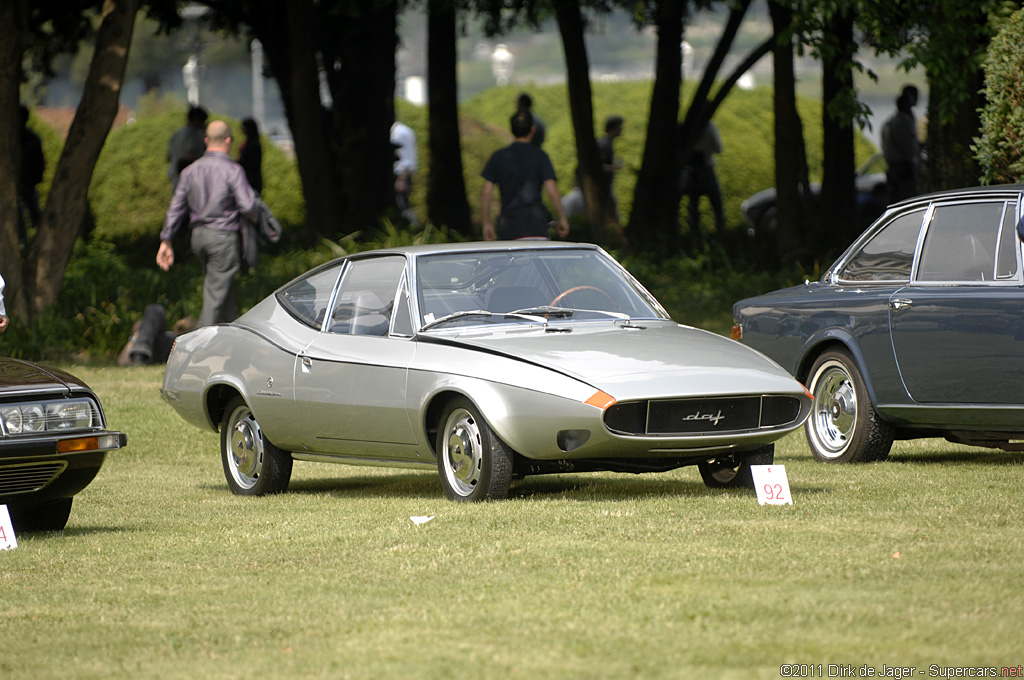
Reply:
x=577, y=487
x=978, y=456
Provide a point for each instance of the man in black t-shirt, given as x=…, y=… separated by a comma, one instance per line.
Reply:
x=521, y=172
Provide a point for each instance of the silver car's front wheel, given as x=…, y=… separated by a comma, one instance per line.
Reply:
x=473, y=463
x=252, y=465
x=843, y=426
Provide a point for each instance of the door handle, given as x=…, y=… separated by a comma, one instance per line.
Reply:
x=307, y=364
x=900, y=303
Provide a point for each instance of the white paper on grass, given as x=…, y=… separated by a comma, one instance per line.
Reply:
x=7, y=538
x=421, y=519
x=771, y=484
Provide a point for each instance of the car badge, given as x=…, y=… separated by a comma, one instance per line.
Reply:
x=270, y=382
x=713, y=418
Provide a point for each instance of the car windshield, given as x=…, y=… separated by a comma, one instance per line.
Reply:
x=527, y=286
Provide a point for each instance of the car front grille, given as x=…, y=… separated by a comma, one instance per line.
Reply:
x=703, y=416
x=29, y=477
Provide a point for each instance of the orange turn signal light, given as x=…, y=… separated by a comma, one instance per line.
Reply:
x=736, y=333
x=600, y=400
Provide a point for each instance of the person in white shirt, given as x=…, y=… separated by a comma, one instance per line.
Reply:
x=3, y=309
x=403, y=139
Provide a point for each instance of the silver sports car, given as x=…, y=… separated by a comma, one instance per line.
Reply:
x=488, y=361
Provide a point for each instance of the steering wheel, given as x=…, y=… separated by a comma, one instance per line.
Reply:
x=576, y=289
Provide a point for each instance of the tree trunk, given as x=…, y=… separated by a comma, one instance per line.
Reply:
x=838, y=205
x=654, y=222
x=447, y=204
x=14, y=17
x=360, y=64
x=791, y=180
x=67, y=203
x=590, y=173
x=951, y=163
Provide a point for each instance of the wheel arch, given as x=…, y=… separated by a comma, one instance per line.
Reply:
x=216, y=401
x=833, y=340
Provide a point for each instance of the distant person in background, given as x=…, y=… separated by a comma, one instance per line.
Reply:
x=525, y=103
x=32, y=166
x=250, y=155
x=521, y=171
x=3, y=308
x=901, y=148
x=613, y=126
x=403, y=141
x=187, y=144
x=701, y=180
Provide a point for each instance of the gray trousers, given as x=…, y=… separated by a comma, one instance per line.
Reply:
x=220, y=255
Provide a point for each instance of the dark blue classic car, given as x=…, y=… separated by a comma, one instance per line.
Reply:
x=917, y=330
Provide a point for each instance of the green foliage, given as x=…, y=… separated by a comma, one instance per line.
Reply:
x=1000, y=149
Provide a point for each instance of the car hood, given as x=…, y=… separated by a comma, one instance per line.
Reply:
x=659, y=358
x=17, y=376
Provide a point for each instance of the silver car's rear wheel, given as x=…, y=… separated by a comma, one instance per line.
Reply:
x=252, y=465
x=843, y=427
x=473, y=463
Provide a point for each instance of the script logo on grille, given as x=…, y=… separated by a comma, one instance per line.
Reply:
x=713, y=418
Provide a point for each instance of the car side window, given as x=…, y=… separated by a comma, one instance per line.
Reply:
x=367, y=296
x=889, y=255
x=1006, y=256
x=402, y=325
x=960, y=243
x=307, y=298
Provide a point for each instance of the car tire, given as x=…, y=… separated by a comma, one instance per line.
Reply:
x=253, y=466
x=50, y=517
x=474, y=464
x=843, y=426
x=733, y=470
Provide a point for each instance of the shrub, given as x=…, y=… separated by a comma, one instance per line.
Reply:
x=1000, y=149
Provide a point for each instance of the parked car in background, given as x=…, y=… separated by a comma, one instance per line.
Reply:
x=917, y=330
x=761, y=214
x=53, y=441
x=484, y=362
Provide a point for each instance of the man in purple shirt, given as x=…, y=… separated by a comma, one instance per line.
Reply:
x=211, y=196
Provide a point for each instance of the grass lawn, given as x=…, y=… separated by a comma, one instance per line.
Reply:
x=162, y=573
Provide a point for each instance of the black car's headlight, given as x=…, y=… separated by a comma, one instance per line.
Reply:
x=68, y=415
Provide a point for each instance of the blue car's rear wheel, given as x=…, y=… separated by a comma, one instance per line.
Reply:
x=473, y=463
x=843, y=426
x=253, y=466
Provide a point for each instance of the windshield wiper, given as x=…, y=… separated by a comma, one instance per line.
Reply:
x=544, y=311
x=457, y=315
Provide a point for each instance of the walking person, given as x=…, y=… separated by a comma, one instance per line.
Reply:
x=521, y=171
x=186, y=144
x=211, y=197
x=525, y=103
x=250, y=155
x=902, y=148
x=33, y=164
x=3, y=309
x=701, y=180
x=403, y=141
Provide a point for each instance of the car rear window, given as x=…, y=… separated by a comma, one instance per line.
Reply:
x=889, y=255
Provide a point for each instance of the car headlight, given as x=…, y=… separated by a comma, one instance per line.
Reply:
x=55, y=416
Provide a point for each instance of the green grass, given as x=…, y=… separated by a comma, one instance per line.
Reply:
x=163, y=573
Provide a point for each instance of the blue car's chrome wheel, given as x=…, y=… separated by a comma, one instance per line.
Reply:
x=843, y=426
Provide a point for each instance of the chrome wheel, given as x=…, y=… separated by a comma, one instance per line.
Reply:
x=462, y=452
x=834, y=418
x=474, y=464
x=253, y=466
x=245, y=448
x=844, y=426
